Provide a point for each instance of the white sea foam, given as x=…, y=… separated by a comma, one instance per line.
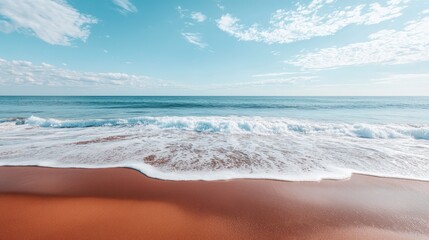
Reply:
x=256, y=125
x=209, y=148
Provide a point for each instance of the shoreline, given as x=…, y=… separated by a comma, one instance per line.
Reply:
x=69, y=203
x=226, y=179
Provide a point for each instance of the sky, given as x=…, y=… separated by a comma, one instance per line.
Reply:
x=214, y=47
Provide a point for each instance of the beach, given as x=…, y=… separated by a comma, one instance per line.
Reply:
x=121, y=203
x=218, y=120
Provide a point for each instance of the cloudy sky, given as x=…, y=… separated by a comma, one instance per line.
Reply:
x=214, y=47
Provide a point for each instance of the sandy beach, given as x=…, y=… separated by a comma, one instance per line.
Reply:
x=214, y=120
x=119, y=203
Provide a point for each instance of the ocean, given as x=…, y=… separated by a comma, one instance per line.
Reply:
x=218, y=138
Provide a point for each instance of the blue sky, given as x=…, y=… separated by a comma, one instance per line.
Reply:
x=130, y=47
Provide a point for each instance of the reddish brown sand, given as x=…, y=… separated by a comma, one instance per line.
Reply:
x=47, y=203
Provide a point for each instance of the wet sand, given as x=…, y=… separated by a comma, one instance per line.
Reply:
x=119, y=203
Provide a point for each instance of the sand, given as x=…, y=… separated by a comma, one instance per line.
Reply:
x=119, y=203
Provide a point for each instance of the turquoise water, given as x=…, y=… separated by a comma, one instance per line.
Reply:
x=347, y=109
x=209, y=138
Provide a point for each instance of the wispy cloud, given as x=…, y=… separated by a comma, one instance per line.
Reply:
x=277, y=81
x=401, y=78
x=318, y=18
x=26, y=73
x=195, y=16
x=181, y=11
x=125, y=6
x=194, y=38
x=275, y=53
x=198, y=16
x=276, y=74
x=53, y=21
x=264, y=82
x=411, y=44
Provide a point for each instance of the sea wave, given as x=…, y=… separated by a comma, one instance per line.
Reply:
x=244, y=125
x=214, y=148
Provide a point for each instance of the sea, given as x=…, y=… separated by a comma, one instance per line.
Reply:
x=220, y=138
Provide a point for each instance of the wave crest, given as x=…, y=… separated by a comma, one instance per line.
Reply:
x=245, y=125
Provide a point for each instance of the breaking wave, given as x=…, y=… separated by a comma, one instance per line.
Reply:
x=248, y=125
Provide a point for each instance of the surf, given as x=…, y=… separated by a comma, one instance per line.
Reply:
x=243, y=125
x=219, y=148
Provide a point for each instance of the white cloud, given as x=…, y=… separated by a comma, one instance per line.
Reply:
x=53, y=21
x=26, y=73
x=181, y=11
x=276, y=74
x=411, y=44
x=318, y=18
x=276, y=81
x=265, y=82
x=401, y=78
x=275, y=53
x=274, y=78
x=194, y=38
x=220, y=6
x=125, y=6
x=198, y=16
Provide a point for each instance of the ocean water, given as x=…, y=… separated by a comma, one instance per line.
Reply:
x=213, y=138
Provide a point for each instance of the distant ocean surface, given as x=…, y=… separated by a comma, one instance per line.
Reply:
x=213, y=138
